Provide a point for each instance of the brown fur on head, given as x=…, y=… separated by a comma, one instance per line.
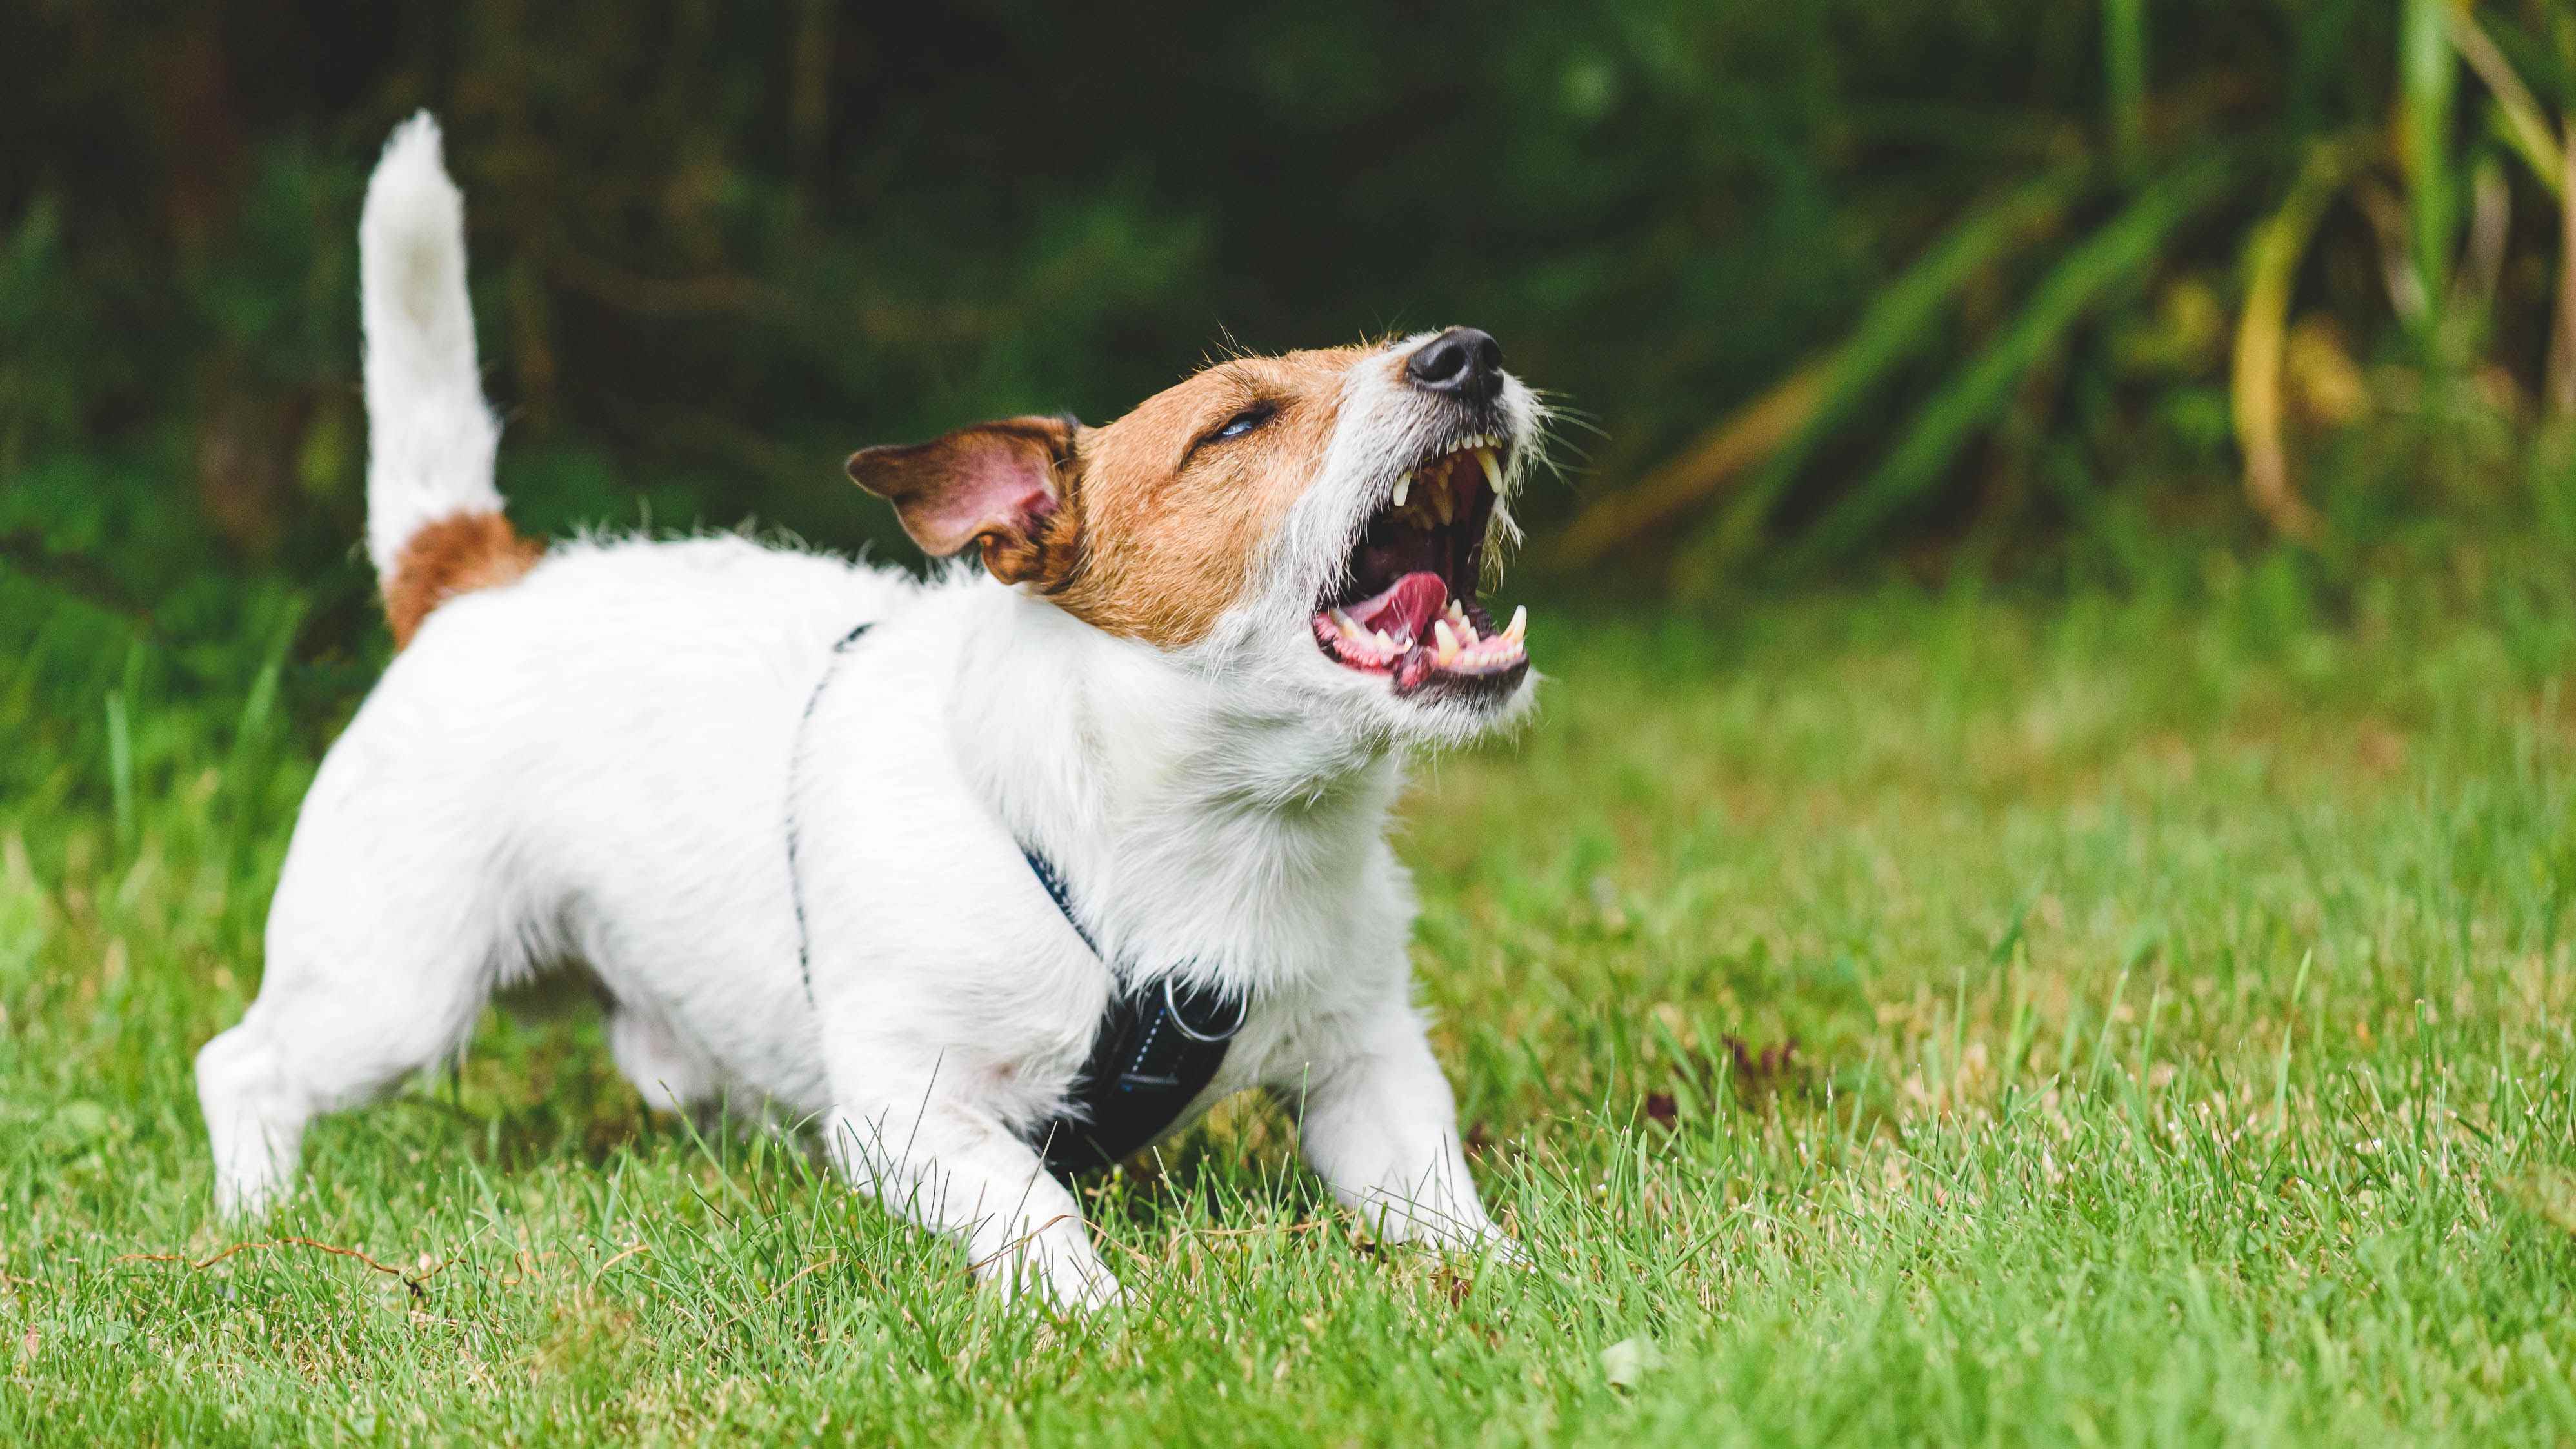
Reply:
x=1146, y=527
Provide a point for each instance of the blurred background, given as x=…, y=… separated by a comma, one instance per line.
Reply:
x=2051, y=294
x=2040, y=902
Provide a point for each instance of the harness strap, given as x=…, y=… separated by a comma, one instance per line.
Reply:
x=1157, y=1048
x=795, y=764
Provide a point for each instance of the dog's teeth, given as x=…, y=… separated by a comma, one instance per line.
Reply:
x=1403, y=487
x=1385, y=642
x=1493, y=469
x=1442, y=500
x=1349, y=626
x=1447, y=650
x=1519, y=624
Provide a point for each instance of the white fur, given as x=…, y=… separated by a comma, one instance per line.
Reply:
x=604, y=761
x=430, y=437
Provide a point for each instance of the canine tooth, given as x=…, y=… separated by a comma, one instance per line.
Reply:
x=1447, y=642
x=1350, y=627
x=1443, y=500
x=1403, y=486
x=1519, y=624
x=1384, y=640
x=1493, y=470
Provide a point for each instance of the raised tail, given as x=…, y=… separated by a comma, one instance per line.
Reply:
x=434, y=522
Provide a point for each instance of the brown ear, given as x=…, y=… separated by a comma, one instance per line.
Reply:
x=993, y=484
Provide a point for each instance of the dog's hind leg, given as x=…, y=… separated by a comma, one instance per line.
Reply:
x=379, y=961
x=671, y=1074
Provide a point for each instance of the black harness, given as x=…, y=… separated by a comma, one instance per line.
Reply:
x=1157, y=1047
x=1158, y=1044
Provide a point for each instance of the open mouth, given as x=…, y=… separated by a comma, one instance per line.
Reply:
x=1407, y=606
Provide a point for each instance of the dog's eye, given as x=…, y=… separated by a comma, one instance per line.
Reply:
x=1242, y=423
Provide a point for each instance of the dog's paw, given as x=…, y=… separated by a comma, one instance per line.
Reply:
x=242, y=1200
x=1070, y=1299
x=249, y=1183
x=1101, y=1294
x=1068, y=1284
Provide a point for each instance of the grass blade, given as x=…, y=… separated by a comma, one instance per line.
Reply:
x=250, y=754
x=120, y=769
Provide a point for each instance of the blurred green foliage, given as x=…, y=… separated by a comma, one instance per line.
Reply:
x=1997, y=249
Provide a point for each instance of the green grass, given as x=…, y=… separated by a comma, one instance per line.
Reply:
x=2179, y=986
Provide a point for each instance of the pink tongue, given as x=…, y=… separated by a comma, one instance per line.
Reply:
x=1406, y=610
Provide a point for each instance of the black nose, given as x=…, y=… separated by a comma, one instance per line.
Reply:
x=1461, y=360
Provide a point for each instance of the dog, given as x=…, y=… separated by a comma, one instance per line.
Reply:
x=963, y=870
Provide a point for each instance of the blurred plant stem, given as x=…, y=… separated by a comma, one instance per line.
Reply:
x=1827, y=278
x=2562, y=344
x=2271, y=264
x=2520, y=121
x=1782, y=429
x=1742, y=438
x=2120, y=251
x=2438, y=204
x=2426, y=72
x=2124, y=80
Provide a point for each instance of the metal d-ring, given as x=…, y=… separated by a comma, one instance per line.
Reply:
x=1181, y=1022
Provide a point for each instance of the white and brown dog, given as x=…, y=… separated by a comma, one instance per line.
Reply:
x=887, y=854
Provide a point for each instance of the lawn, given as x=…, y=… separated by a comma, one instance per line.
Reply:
x=2081, y=1017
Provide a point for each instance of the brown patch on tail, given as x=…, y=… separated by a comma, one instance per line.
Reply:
x=455, y=555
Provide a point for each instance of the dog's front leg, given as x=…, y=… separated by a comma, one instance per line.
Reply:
x=1377, y=1121
x=946, y=1165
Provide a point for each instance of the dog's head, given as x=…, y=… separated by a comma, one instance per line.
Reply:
x=1322, y=521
